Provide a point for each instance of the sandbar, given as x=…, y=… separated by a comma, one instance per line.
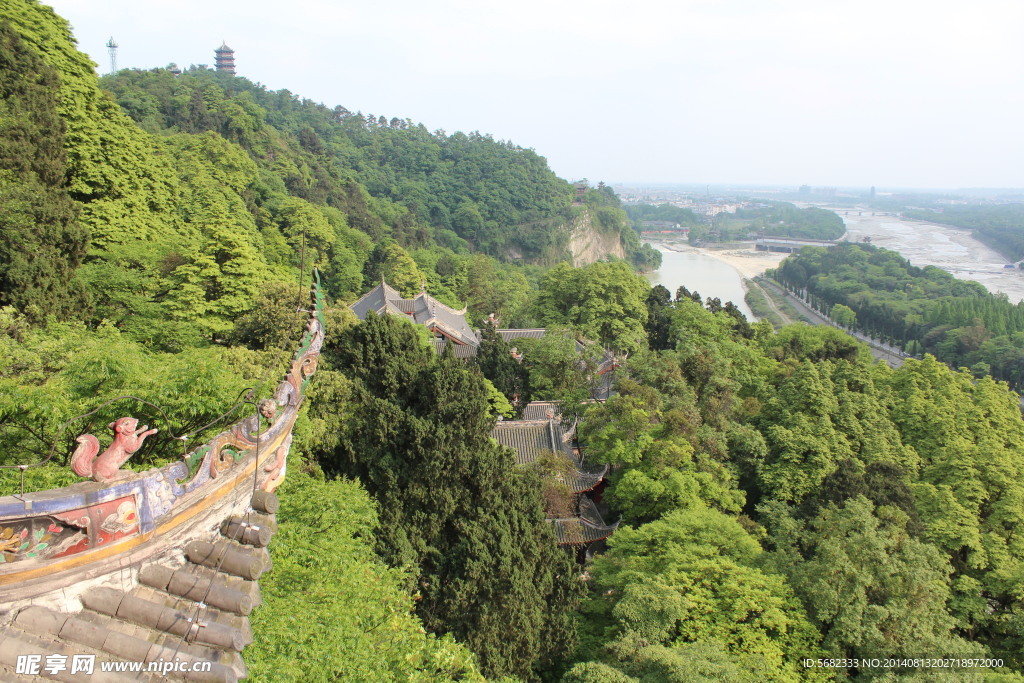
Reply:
x=741, y=256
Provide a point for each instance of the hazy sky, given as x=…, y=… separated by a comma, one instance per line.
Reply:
x=901, y=93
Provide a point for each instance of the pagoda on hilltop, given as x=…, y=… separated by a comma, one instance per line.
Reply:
x=225, y=61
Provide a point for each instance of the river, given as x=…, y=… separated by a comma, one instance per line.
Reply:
x=697, y=271
x=920, y=243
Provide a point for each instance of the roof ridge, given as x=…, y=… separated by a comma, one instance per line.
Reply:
x=372, y=290
x=445, y=306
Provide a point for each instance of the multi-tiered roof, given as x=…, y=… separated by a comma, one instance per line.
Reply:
x=533, y=439
x=444, y=322
x=225, y=59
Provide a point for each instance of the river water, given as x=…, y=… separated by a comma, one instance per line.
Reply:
x=696, y=271
x=920, y=243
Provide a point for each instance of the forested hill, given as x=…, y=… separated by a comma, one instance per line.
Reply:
x=776, y=218
x=491, y=193
x=461, y=191
x=176, y=197
x=163, y=258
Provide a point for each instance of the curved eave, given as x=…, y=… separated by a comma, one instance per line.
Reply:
x=576, y=531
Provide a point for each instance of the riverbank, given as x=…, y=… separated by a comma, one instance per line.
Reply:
x=740, y=256
x=746, y=260
x=715, y=272
x=698, y=271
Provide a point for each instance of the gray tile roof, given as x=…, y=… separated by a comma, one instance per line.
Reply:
x=540, y=410
x=376, y=300
x=423, y=309
x=585, y=528
x=510, y=335
x=534, y=333
x=433, y=314
x=462, y=351
x=530, y=439
x=195, y=612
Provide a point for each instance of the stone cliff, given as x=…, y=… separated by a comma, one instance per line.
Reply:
x=588, y=243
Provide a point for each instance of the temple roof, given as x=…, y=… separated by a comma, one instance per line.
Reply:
x=533, y=333
x=530, y=439
x=377, y=300
x=585, y=528
x=423, y=309
x=541, y=410
x=510, y=335
x=462, y=351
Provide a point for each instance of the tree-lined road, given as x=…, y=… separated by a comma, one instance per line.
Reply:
x=882, y=351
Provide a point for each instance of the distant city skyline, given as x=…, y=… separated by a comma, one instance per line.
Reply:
x=737, y=92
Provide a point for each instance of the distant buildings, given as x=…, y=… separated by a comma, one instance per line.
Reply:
x=664, y=228
x=826, y=192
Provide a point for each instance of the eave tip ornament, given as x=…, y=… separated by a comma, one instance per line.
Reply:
x=106, y=467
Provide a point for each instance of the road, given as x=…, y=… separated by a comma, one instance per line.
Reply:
x=884, y=352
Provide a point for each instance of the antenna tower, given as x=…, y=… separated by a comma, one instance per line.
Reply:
x=112, y=51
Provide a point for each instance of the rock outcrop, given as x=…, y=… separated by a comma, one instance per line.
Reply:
x=587, y=244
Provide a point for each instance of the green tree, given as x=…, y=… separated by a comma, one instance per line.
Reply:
x=868, y=585
x=356, y=620
x=43, y=241
x=843, y=315
x=497, y=364
x=392, y=263
x=417, y=433
x=605, y=301
x=691, y=578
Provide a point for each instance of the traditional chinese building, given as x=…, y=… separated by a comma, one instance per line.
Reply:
x=539, y=437
x=225, y=59
x=443, y=322
x=447, y=324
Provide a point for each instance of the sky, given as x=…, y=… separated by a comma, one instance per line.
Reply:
x=893, y=94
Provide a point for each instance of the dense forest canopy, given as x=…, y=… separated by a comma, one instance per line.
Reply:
x=462, y=191
x=781, y=496
x=925, y=310
x=786, y=220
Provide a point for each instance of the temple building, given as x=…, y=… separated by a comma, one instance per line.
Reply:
x=531, y=440
x=540, y=432
x=449, y=325
x=225, y=59
x=443, y=322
